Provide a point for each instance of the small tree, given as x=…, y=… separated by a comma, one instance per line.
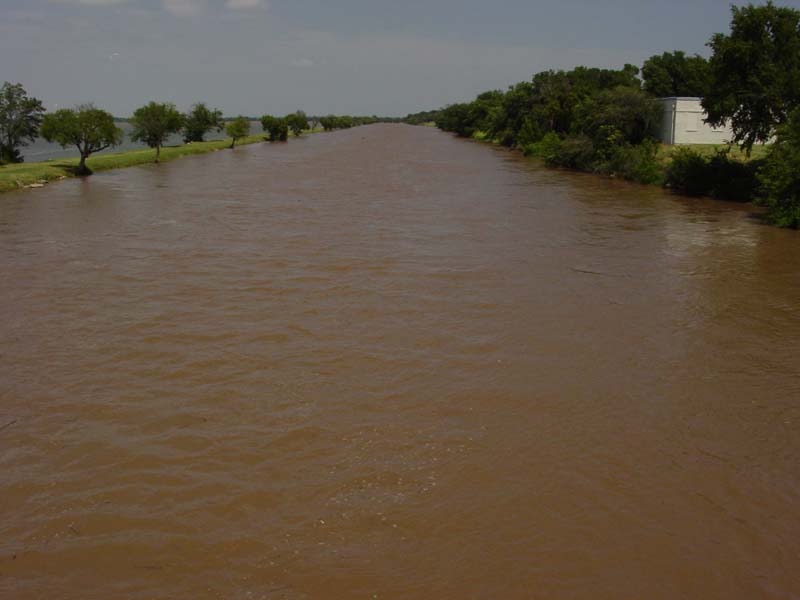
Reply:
x=238, y=128
x=298, y=122
x=276, y=128
x=20, y=117
x=87, y=128
x=154, y=123
x=755, y=72
x=200, y=121
x=328, y=123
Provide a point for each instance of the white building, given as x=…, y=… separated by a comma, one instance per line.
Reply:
x=684, y=123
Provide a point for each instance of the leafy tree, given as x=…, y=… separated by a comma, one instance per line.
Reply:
x=237, y=129
x=297, y=122
x=200, y=121
x=20, y=117
x=780, y=176
x=87, y=128
x=625, y=111
x=549, y=103
x=345, y=122
x=332, y=122
x=755, y=72
x=276, y=128
x=328, y=123
x=675, y=74
x=154, y=123
x=510, y=116
x=421, y=118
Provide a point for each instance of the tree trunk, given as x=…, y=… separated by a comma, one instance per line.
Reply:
x=82, y=168
x=233, y=142
x=158, y=152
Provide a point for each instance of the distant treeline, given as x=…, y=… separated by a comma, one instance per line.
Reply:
x=90, y=129
x=605, y=120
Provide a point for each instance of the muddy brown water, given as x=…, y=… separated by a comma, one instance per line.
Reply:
x=387, y=363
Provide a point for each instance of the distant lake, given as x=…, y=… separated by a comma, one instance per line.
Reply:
x=41, y=150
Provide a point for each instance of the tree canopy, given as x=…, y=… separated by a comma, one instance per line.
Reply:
x=199, y=121
x=297, y=122
x=86, y=127
x=20, y=118
x=780, y=177
x=238, y=128
x=154, y=123
x=276, y=128
x=675, y=74
x=755, y=72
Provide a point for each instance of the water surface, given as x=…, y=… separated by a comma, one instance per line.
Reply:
x=387, y=363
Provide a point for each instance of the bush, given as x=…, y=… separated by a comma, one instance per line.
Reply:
x=573, y=152
x=545, y=148
x=733, y=179
x=688, y=173
x=720, y=176
x=636, y=163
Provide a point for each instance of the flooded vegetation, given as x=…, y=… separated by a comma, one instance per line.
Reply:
x=389, y=363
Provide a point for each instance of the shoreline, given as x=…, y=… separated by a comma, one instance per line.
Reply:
x=664, y=158
x=20, y=176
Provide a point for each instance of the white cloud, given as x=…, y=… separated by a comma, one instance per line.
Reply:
x=183, y=8
x=244, y=4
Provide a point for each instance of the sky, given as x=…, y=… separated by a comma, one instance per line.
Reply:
x=385, y=57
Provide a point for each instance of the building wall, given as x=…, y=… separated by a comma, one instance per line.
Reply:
x=683, y=124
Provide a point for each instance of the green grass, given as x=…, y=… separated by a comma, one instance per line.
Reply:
x=21, y=175
x=760, y=151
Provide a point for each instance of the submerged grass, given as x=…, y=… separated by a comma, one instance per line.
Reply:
x=16, y=176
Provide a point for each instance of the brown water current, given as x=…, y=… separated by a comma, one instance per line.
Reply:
x=388, y=363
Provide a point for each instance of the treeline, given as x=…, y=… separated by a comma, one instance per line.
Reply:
x=423, y=118
x=331, y=122
x=90, y=129
x=607, y=120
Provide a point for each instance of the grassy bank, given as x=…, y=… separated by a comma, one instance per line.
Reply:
x=665, y=152
x=16, y=176
x=713, y=170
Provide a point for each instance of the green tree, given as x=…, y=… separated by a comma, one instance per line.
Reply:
x=297, y=122
x=200, y=121
x=154, y=123
x=675, y=74
x=276, y=128
x=237, y=129
x=20, y=118
x=625, y=113
x=86, y=127
x=345, y=122
x=755, y=72
x=328, y=122
x=780, y=176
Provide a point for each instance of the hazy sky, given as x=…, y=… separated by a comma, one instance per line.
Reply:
x=388, y=57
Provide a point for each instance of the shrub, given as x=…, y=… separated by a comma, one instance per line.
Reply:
x=573, y=152
x=733, y=179
x=636, y=163
x=545, y=148
x=720, y=176
x=688, y=173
